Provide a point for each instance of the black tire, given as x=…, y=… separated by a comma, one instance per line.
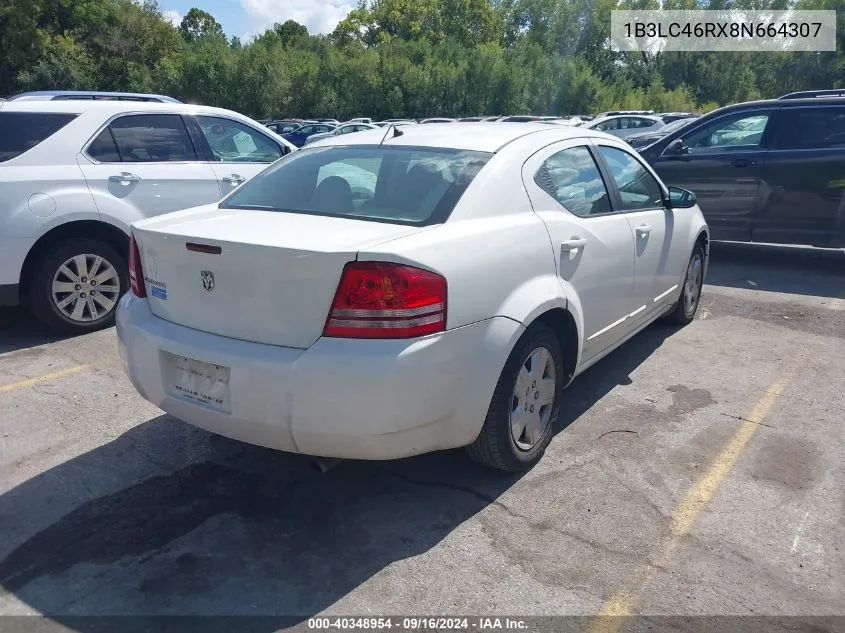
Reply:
x=681, y=313
x=40, y=291
x=495, y=445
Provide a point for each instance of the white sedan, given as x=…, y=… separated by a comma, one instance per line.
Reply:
x=405, y=290
x=344, y=128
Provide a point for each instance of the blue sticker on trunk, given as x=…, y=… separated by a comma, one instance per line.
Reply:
x=160, y=293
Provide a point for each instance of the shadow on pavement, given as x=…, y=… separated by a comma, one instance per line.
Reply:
x=20, y=330
x=772, y=268
x=169, y=520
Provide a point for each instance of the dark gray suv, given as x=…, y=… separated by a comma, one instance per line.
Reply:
x=764, y=171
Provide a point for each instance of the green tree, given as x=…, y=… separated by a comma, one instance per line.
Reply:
x=291, y=32
x=199, y=24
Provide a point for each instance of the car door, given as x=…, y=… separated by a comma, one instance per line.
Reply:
x=721, y=161
x=592, y=242
x=236, y=151
x=802, y=191
x=661, y=250
x=141, y=165
x=301, y=135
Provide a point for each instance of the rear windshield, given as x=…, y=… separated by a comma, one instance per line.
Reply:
x=21, y=131
x=403, y=185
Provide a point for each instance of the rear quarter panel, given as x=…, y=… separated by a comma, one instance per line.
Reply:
x=497, y=258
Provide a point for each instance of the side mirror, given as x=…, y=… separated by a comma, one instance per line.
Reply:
x=675, y=148
x=681, y=198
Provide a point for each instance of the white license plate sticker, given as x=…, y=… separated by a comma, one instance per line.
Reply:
x=199, y=381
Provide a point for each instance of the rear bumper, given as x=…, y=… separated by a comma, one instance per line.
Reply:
x=341, y=398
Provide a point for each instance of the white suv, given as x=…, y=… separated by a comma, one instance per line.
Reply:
x=75, y=174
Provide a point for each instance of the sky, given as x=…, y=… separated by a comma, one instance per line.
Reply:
x=247, y=18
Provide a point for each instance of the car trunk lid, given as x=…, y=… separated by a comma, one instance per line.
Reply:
x=260, y=276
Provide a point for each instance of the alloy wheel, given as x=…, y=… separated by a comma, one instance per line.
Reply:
x=86, y=288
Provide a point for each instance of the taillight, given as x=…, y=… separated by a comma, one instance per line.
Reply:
x=136, y=274
x=386, y=300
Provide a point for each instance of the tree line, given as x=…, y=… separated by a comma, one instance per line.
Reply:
x=397, y=58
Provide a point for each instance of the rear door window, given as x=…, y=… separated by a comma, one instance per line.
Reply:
x=21, y=131
x=811, y=128
x=573, y=179
x=404, y=185
x=232, y=141
x=612, y=124
x=103, y=148
x=641, y=123
x=152, y=138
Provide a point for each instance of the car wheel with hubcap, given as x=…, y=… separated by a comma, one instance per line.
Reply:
x=525, y=404
x=77, y=286
x=687, y=305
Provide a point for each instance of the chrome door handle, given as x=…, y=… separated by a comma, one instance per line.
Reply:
x=234, y=179
x=643, y=229
x=573, y=244
x=124, y=178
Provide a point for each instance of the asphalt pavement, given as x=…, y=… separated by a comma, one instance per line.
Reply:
x=695, y=472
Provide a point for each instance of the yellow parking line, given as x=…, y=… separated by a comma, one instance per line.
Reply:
x=33, y=381
x=690, y=508
x=615, y=611
x=613, y=614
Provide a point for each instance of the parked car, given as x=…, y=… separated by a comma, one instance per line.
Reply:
x=89, y=95
x=285, y=126
x=623, y=112
x=332, y=121
x=346, y=128
x=397, y=122
x=625, y=125
x=764, y=171
x=643, y=139
x=562, y=121
x=519, y=118
x=669, y=117
x=363, y=119
x=438, y=120
x=426, y=312
x=75, y=173
x=298, y=136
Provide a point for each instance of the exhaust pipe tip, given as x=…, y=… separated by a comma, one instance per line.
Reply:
x=324, y=464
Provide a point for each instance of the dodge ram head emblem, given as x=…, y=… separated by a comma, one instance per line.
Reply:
x=207, y=280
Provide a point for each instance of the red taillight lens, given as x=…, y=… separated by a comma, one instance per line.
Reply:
x=136, y=274
x=386, y=300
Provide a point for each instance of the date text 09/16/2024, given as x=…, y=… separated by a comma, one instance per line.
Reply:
x=416, y=623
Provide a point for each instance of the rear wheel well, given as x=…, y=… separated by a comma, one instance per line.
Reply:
x=563, y=325
x=91, y=229
x=703, y=240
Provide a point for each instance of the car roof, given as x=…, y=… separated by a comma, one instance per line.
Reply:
x=83, y=94
x=782, y=103
x=628, y=116
x=481, y=137
x=107, y=107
